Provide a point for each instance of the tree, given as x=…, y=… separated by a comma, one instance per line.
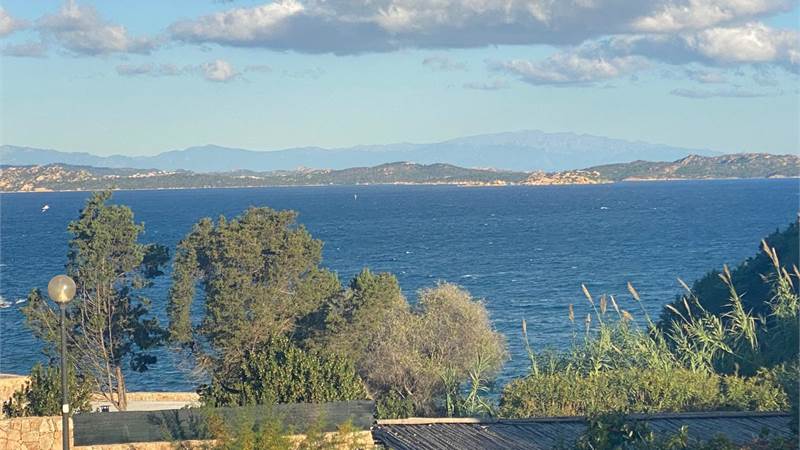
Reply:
x=436, y=358
x=280, y=372
x=41, y=395
x=108, y=322
x=260, y=276
x=355, y=318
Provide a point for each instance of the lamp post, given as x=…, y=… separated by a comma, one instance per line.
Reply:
x=61, y=290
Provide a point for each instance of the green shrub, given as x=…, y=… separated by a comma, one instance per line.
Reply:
x=638, y=391
x=41, y=395
x=281, y=372
x=713, y=294
x=393, y=406
x=762, y=392
x=242, y=432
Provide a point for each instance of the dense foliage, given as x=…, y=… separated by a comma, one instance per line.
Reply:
x=699, y=361
x=712, y=293
x=260, y=275
x=245, y=433
x=280, y=372
x=41, y=395
x=108, y=322
x=568, y=392
x=267, y=300
x=437, y=357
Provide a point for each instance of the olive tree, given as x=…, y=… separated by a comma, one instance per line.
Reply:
x=434, y=358
x=109, y=323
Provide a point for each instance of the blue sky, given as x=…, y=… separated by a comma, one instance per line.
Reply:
x=142, y=77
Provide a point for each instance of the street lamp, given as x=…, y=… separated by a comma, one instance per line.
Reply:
x=61, y=290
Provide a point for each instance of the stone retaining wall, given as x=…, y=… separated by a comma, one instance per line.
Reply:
x=32, y=433
x=154, y=397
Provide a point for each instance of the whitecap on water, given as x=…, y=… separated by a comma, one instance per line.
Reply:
x=20, y=300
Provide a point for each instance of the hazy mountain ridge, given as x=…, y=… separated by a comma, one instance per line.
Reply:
x=520, y=150
x=55, y=177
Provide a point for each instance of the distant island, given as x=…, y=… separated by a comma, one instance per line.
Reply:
x=63, y=177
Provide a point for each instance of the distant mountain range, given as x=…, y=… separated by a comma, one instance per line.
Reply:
x=55, y=177
x=521, y=151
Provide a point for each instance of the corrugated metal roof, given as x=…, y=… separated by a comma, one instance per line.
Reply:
x=549, y=432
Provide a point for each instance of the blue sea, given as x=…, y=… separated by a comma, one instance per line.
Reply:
x=524, y=250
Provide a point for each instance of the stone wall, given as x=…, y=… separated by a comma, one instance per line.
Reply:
x=31, y=433
x=9, y=384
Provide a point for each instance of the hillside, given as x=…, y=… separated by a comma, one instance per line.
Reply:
x=692, y=167
x=55, y=177
x=519, y=150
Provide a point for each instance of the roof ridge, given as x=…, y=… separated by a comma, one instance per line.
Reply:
x=636, y=416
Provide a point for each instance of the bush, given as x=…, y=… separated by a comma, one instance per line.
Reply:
x=244, y=433
x=280, y=372
x=695, y=362
x=637, y=391
x=41, y=395
x=394, y=406
x=439, y=357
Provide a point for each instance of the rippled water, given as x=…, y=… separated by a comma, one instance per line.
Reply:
x=524, y=249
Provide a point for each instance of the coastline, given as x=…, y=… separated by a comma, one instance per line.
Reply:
x=498, y=184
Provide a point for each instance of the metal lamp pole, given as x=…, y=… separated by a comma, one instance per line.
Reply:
x=61, y=290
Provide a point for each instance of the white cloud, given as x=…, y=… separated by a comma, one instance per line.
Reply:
x=493, y=85
x=81, y=30
x=706, y=76
x=699, y=14
x=443, y=63
x=724, y=93
x=156, y=70
x=219, y=71
x=750, y=43
x=25, y=50
x=567, y=68
x=9, y=24
x=355, y=26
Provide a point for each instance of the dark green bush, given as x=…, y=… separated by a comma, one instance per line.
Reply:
x=714, y=295
x=394, y=406
x=41, y=395
x=281, y=372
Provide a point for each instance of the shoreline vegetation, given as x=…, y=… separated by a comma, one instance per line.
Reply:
x=67, y=178
x=278, y=327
